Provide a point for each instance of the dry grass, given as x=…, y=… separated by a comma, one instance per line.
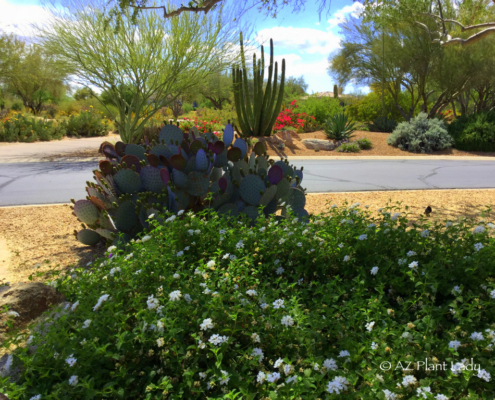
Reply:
x=40, y=238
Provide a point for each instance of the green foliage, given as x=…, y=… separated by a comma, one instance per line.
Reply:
x=87, y=124
x=30, y=129
x=364, y=143
x=369, y=107
x=382, y=124
x=139, y=77
x=205, y=307
x=186, y=108
x=321, y=108
x=421, y=135
x=203, y=172
x=294, y=88
x=84, y=93
x=349, y=148
x=257, y=115
x=339, y=127
x=16, y=106
x=226, y=114
x=475, y=132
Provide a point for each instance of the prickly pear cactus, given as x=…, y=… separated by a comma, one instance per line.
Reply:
x=184, y=171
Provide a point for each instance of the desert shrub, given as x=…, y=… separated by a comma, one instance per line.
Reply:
x=87, y=124
x=51, y=110
x=202, y=307
x=291, y=117
x=339, y=127
x=187, y=108
x=475, y=132
x=349, y=148
x=68, y=108
x=16, y=106
x=369, y=107
x=421, y=135
x=364, y=143
x=224, y=115
x=20, y=128
x=321, y=108
x=382, y=124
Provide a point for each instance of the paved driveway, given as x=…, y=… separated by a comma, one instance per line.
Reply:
x=58, y=182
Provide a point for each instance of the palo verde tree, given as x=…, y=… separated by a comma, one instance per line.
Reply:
x=453, y=22
x=31, y=72
x=154, y=57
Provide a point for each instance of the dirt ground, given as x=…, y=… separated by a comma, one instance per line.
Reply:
x=379, y=140
x=380, y=147
x=40, y=238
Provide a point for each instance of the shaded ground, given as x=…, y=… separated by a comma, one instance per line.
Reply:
x=40, y=238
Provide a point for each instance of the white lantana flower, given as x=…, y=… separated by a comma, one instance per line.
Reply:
x=86, y=324
x=73, y=380
x=257, y=352
x=206, y=324
x=413, y=265
x=478, y=246
x=278, y=304
x=369, y=326
x=454, y=344
x=175, y=295
x=479, y=229
x=338, y=385
x=287, y=321
x=330, y=364
x=100, y=301
x=147, y=237
x=71, y=360
x=374, y=270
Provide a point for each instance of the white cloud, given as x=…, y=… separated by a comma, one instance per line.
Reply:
x=340, y=16
x=306, y=40
x=18, y=18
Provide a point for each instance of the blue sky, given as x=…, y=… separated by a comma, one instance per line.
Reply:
x=301, y=38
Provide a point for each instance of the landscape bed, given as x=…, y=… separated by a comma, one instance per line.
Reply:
x=207, y=307
x=378, y=139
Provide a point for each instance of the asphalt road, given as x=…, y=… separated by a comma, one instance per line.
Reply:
x=58, y=182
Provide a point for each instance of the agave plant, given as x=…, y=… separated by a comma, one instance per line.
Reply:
x=339, y=127
x=184, y=171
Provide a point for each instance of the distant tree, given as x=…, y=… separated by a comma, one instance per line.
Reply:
x=217, y=88
x=84, y=93
x=294, y=88
x=155, y=58
x=32, y=73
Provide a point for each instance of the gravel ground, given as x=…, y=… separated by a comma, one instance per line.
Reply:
x=39, y=238
x=379, y=140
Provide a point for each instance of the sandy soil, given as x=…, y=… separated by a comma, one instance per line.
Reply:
x=40, y=238
x=380, y=148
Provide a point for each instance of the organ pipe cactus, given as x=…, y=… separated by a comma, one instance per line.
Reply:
x=257, y=117
x=184, y=171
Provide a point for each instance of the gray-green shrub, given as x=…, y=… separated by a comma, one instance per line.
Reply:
x=421, y=135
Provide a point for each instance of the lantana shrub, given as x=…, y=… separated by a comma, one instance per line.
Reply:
x=347, y=305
